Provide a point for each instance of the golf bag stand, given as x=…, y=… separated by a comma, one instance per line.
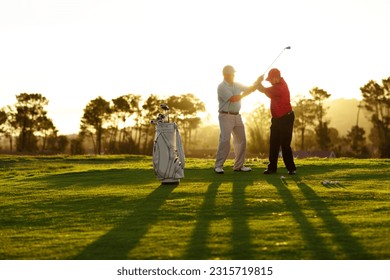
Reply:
x=168, y=154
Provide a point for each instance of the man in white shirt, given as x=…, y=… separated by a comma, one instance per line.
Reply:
x=230, y=122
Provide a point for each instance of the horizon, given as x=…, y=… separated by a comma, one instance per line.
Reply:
x=207, y=120
x=74, y=51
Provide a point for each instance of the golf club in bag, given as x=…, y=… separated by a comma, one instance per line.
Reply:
x=168, y=153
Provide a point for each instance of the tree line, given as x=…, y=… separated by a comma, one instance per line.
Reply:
x=122, y=125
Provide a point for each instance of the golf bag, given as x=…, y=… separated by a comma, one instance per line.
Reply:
x=168, y=154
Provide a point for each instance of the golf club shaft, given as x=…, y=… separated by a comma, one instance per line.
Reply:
x=286, y=48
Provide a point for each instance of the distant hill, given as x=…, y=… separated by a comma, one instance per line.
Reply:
x=342, y=114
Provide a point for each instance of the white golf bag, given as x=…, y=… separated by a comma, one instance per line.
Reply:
x=168, y=154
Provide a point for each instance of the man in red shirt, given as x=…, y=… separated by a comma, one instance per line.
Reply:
x=282, y=121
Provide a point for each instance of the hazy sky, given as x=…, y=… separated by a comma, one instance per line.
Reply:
x=73, y=51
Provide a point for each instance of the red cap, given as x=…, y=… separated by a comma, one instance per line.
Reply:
x=273, y=73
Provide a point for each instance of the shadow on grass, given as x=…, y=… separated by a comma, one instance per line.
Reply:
x=241, y=240
x=314, y=242
x=96, y=178
x=342, y=238
x=238, y=213
x=125, y=236
x=197, y=248
x=341, y=235
x=352, y=171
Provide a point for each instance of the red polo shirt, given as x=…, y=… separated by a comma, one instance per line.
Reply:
x=280, y=99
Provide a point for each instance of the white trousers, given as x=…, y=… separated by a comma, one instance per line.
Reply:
x=231, y=124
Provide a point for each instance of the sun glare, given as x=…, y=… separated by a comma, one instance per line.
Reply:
x=72, y=54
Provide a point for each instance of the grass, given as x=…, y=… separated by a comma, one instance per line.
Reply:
x=113, y=207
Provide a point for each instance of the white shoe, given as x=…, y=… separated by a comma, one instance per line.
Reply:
x=219, y=170
x=244, y=169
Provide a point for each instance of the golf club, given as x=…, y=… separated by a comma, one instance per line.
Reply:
x=286, y=48
x=165, y=108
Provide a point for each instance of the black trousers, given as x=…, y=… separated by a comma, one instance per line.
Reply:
x=281, y=135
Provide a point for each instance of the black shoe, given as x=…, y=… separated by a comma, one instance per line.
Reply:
x=268, y=171
x=292, y=172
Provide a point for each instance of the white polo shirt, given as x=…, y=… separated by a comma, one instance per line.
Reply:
x=225, y=91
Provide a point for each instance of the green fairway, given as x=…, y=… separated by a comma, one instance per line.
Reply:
x=113, y=207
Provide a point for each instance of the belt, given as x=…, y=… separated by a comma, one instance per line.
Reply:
x=229, y=113
x=285, y=115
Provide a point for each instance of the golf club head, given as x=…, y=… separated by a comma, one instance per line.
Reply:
x=160, y=117
x=286, y=48
x=164, y=107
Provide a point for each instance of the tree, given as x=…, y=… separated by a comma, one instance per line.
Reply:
x=8, y=125
x=322, y=136
x=47, y=130
x=30, y=118
x=257, y=126
x=184, y=111
x=123, y=108
x=356, y=142
x=322, y=129
x=57, y=144
x=76, y=147
x=137, y=118
x=3, y=121
x=96, y=113
x=376, y=99
x=304, y=110
x=151, y=108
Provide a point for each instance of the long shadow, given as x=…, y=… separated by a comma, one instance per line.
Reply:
x=314, y=242
x=237, y=212
x=340, y=233
x=126, y=235
x=95, y=178
x=197, y=248
x=242, y=247
x=322, y=169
